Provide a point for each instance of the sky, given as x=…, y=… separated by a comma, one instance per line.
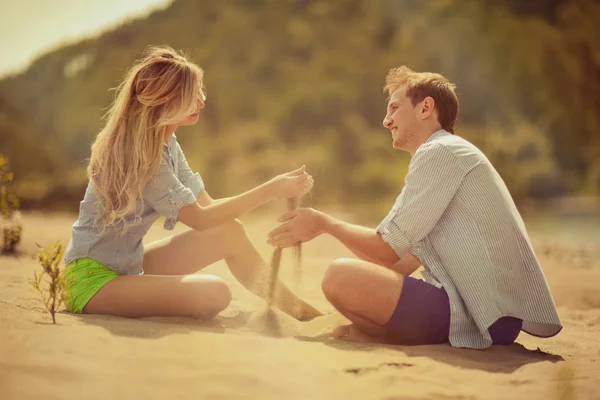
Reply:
x=30, y=28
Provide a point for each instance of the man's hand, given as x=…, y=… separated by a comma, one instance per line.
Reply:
x=300, y=225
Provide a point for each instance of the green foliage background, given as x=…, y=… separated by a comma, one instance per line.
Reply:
x=300, y=82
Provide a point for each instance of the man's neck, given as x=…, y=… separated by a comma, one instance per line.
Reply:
x=421, y=137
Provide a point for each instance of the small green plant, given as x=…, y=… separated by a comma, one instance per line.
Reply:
x=9, y=206
x=54, y=293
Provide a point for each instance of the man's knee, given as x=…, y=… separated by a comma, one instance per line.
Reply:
x=334, y=278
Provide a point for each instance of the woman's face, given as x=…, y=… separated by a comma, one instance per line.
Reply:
x=193, y=118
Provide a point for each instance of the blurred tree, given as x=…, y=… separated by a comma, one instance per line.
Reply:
x=301, y=82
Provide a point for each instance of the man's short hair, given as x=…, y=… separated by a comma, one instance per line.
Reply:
x=420, y=85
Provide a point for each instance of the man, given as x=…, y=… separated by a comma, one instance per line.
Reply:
x=454, y=216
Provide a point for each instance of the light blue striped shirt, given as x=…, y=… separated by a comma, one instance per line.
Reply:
x=456, y=215
x=174, y=186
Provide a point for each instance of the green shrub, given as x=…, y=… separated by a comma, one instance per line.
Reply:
x=9, y=205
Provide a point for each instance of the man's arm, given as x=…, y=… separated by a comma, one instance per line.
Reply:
x=366, y=243
x=432, y=181
x=430, y=185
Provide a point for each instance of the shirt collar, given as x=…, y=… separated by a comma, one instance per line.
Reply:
x=170, y=140
x=438, y=134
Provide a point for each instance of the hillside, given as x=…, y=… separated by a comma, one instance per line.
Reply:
x=300, y=82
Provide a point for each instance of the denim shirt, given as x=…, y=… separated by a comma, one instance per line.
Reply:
x=174, y=186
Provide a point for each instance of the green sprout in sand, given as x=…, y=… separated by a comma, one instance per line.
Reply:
x=52, y=289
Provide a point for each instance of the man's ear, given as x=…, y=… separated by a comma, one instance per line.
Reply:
x=427, y=107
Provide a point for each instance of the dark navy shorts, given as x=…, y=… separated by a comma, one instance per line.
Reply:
x=422, y=316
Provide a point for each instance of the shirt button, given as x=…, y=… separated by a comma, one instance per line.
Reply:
x=90, y=272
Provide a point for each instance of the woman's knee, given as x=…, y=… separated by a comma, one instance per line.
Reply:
x=214, y=297
x=234, y=226
x=221, y=294
x=234, y=231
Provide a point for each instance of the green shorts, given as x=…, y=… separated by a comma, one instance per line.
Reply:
x=82, y=279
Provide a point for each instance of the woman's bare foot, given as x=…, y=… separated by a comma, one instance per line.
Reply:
x=352, y=333
x=306, y=313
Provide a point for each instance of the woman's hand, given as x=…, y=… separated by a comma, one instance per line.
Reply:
x=292, y=184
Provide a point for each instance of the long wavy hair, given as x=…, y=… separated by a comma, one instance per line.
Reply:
x=159, y=90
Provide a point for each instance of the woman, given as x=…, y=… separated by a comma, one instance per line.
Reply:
x=137, y=173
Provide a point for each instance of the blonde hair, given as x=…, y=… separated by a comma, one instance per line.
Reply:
x=420, y=85
x=159, y=90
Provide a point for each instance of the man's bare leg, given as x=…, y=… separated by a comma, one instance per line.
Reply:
x=365, y=293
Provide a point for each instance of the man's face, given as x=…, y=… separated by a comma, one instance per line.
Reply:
x=401, y=119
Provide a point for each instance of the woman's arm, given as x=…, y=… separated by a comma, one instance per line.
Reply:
x=293, y=184
x=204, y=199
x=204, y=217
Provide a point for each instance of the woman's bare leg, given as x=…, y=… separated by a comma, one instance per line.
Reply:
x=167, y=287
x=197, y=296
x=190, y=251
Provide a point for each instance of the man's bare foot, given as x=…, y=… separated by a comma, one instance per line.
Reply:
x=352, y=333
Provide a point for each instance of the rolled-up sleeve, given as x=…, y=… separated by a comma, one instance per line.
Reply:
x=434, y=175
x=185, y=174
x=167, y=194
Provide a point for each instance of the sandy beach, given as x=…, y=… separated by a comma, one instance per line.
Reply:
x=237, y=355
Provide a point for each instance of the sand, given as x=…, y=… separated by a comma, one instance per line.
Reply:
x=233, y=357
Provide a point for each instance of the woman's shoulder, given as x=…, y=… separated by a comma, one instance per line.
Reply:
x=90, y=192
